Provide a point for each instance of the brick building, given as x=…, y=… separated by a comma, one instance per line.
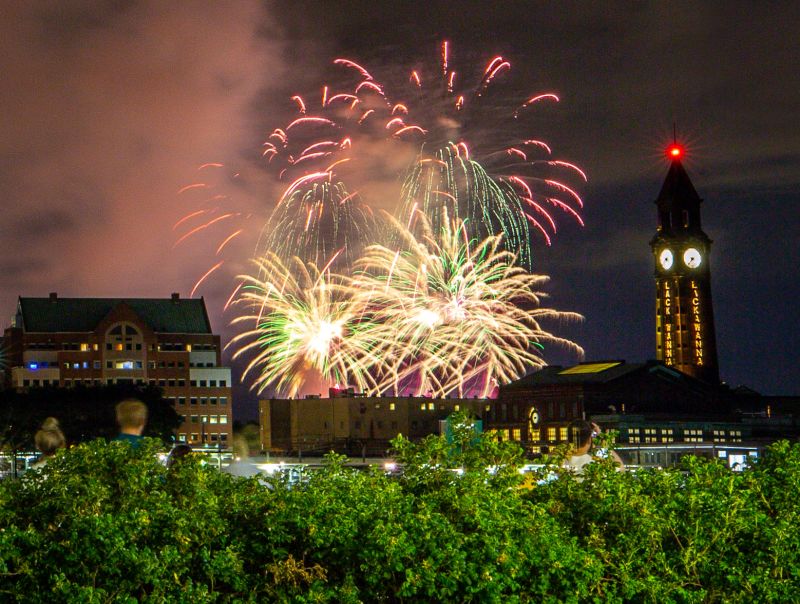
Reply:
x=354, y=424
x=62, y=342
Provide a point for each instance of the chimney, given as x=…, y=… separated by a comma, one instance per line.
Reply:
x=176, y=298
x=53, y=297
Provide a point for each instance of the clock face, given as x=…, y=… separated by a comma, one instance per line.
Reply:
x=665, y=259
x=692, y=258
x=533, y=417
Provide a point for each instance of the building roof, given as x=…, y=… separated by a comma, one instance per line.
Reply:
x=677, y=187
x=597, y=372
x=167, y=315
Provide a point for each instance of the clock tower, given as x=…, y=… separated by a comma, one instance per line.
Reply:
x=685, y=337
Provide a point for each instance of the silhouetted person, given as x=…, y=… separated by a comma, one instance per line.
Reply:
x=179, y=451
x=48, y=439
x=581, y=436
x=131, y=417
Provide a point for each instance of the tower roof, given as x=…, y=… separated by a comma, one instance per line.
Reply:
x=677, y=186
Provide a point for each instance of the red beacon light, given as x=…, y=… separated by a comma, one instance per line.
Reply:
x=675, y=152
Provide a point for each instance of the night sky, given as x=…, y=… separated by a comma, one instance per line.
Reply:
x=109, y=108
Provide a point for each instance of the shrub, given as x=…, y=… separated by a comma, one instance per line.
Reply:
x=104, y=522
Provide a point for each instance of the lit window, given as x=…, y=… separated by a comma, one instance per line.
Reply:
x=213, y=419
x=456, y=407
x=422, y=407
x=84, y=347
x=189, y=348
x=223, y=419
x=204, y=419
x=182, y=437
x=431, y=406
x=391, y=406
x=551, y=434
x=123, y=365
x=516, y=434
x=194, y=436
x=562, y=433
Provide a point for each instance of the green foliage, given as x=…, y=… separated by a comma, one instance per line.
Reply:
x=108, y=523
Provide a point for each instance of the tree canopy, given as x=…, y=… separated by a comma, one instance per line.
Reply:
x=103, y=522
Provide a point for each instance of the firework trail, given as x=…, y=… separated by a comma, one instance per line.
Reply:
x=464, y=150
x=452, y=315
x=476, y=161
x=303, y=325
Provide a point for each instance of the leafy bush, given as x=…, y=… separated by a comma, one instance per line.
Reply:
x=107, y=523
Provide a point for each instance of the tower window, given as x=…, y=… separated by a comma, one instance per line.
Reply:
x=685, y=218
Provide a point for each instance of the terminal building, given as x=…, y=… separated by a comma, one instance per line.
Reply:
x=64, y=342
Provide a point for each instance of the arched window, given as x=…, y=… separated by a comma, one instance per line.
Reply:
x=124, y=337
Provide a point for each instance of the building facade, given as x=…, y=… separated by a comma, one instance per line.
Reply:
x=659, y=414
x=63, y=342
x=354, y=424
x=685, y=334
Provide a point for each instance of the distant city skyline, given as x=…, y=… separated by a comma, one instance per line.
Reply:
x=111, y=109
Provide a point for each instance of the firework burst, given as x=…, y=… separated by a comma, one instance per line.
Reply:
x=475, y=160
x=303, y=326
x=463, y=147
x=441, y=139
x=452, y=315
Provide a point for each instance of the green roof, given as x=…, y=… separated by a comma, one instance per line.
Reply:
x=170, y=315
